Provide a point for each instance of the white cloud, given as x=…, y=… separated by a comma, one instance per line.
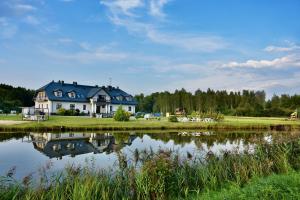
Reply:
x=122, y=14
x=282, y=62
x=23, y=8
x=187, y=41
x=156, y=7
x=7, y=29
x=122, y=6
x=190, y=42
x=272, y=48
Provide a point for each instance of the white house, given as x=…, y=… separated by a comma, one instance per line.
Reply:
x=87, y=99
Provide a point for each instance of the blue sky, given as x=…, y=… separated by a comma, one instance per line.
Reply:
x=152, y=45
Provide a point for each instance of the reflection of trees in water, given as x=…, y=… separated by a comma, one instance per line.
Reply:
x=9, y=136
x=223, y=137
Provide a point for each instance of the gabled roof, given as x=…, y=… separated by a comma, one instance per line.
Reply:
x=116, y=92
x=83, y=92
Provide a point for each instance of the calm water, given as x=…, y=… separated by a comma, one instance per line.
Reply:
x=30, y=152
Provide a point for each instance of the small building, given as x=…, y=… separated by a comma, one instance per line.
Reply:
x=83, y=98
x=13, y=112
x=34, y=114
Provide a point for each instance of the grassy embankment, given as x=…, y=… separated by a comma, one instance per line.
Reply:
x=61, y=123
x=164, y=175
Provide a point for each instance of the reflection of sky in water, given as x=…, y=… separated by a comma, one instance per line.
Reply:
x=22, y=154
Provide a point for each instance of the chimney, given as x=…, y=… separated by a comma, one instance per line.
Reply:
x=74, y=83
x=96, y=85
x=62, y=82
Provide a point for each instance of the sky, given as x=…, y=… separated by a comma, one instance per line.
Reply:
x=144, y=46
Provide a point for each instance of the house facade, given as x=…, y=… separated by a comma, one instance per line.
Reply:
x=87, y=99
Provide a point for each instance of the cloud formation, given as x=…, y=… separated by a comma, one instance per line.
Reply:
x=290, y=47
x=122, y=14
x=282, y=62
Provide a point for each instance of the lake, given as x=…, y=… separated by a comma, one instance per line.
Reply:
x=29, y=153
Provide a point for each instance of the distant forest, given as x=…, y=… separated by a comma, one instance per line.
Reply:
x=12, y=98
x=244, y=103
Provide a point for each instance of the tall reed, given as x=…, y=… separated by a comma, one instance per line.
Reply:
x=161, y=175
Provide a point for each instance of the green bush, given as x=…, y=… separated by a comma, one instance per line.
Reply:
x=173, y=118
x=65, y=112
x=121, y=115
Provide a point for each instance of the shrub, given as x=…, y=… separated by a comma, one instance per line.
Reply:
x=173, y=118
x=61, y=111
x=65, y=112
x=121, y=115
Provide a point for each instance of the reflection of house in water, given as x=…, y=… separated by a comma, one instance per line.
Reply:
x=63, y=144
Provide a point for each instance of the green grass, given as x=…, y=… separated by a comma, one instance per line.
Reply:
x=86, y=123
x=164, y=175
x=10, y=117
x=283, y=187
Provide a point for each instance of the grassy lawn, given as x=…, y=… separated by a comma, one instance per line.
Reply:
x=94, y=123
x=284, y=186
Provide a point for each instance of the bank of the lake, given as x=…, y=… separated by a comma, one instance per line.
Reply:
x=66, y=123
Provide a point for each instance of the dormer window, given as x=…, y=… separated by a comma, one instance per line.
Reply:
x=119, y=98
x=72, y=94
x=129, y=98
x=58, y=93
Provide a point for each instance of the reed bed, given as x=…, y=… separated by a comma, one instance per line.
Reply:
x=157, y=175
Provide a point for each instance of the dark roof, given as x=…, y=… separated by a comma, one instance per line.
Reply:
x=84, y=92
x=80, y=147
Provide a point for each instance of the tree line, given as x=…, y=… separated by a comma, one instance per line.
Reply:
x=242, y=103
x=12, y=98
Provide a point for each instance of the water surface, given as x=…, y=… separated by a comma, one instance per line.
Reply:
x=29, y=153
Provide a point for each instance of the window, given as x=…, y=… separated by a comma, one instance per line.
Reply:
x=119, y=98
x=129, y=98
x=102, y=98
x=84, y=107
x=72, y=94
x=111, y=108
x=103, y=106
x=129, y=108
x=58, y=106
x=72, y=106
x=58, y=93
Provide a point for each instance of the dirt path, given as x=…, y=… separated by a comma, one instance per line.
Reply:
x=11, y=122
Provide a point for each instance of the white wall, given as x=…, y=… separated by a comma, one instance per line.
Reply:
x=66, y=105
x=43, y=105
x=51, y=105
x=125, y=107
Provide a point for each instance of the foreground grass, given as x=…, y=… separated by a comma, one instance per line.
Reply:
x=164, y=175
x=283, y=187
x=61, y=123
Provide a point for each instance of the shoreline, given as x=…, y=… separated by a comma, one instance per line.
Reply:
x=65, y=123
x=211, y=127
